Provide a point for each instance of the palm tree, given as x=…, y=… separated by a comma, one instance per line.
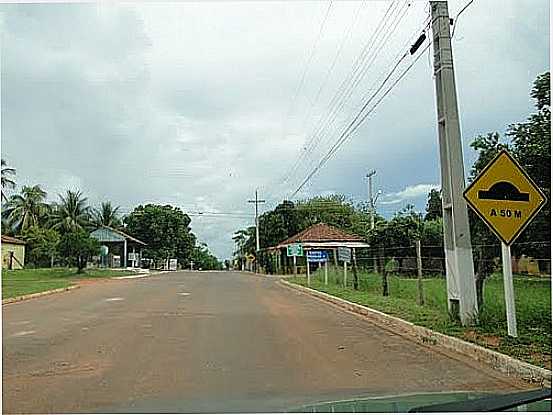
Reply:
x=71, y=213
x=26, y=209
x=7, y=181
x=107, y=215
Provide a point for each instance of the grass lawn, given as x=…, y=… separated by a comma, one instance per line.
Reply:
x=533, y=306
x=30, y=281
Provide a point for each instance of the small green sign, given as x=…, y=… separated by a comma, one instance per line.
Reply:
x=295, y=250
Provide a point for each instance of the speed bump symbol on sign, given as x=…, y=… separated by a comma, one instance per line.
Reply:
x=505, y=197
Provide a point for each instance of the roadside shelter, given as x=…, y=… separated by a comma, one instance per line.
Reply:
x=119, y=249
x=13, y=253
x=318, y=237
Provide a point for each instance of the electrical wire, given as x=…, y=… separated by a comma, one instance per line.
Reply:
x=311, y=56
x=457, y=17
x=328, y=130
x=332, y=105
x=360, y=118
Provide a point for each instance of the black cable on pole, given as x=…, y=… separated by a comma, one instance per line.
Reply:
x=458, y=15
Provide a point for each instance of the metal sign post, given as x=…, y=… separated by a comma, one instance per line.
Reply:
x=294, y=250
x=326, y=272
x=344, y=254
x=345, y=274
x=308, y=274
x=509, y=290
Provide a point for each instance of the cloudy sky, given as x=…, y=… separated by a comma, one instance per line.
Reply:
x=197, y=104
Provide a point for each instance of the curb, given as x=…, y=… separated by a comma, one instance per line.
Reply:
x=497, y=361
x=40, y=294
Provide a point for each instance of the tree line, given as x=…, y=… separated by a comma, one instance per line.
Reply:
x=58, y=233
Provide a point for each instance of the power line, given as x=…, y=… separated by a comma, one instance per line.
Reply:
x=338, y=98
x=346, y=36
x=311, y=55
x=363, y=63
x=351, y=89
x=344, y=136
x=359, y=118
x=376, y=81
x=458, y=15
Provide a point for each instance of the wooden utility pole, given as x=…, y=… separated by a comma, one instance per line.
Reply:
x=461, y=288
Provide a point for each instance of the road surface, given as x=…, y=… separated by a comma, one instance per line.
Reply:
x=209, y=342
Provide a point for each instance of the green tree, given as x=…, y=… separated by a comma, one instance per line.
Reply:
x=400, y=231
x=204, y=259
x=165, y=229
x=434, y=205
x=531, y=147
x=107, y=215
x=77, y=247
x=278, y=224
x=71, y=213
x=244, y=240
x=7, y=179
x=26, y=209
x=42, y=245
x=334, y=210
x=485, y=243
x=530, y=143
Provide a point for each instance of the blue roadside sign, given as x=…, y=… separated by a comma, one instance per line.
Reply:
x=317, y=256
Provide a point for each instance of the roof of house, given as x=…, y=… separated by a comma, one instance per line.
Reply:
x=97, y=234
x=11, y=240
x=321, y=232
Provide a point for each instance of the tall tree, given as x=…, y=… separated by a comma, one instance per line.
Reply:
x=244, y=240
x=7, y=179
x=530, y=143
x=77, y=247
x=531, y=146
x=26, y=209
x=165, y=229
x=42, y=245
x=71, y=213
x=203, y=259
x=334, y=210
x=434, y=205
x=484, y=243
x=279, y=224
x=106, y=215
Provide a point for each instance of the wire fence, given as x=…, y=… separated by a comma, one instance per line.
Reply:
x=532, y=262
x=530, y=259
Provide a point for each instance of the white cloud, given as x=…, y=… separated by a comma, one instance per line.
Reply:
x=410, y=193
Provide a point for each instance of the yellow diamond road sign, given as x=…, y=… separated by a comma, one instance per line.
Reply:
x=505, y=197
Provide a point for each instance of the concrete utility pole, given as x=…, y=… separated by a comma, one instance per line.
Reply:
x=370, y=192
x=461, y=288
x=372, y=208
x=257, y=202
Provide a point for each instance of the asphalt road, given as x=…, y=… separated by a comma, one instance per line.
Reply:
x=209, y=342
